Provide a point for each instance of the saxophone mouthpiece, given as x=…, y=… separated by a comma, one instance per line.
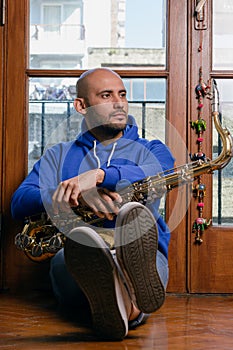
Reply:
x=215, y=99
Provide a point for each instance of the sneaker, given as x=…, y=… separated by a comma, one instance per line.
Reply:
x=136, y=242
x=89, y=260
x=139, y=321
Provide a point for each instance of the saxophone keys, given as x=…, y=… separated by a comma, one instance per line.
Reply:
x=37, y=250
x=23, y=241
x=55, y=243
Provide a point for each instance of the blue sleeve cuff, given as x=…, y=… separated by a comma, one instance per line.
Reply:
x=112, y=176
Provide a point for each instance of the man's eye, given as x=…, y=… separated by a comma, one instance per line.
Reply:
x=123, y=95
x=105, y=95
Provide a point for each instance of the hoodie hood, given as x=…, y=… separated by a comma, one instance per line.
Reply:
x=103, y=154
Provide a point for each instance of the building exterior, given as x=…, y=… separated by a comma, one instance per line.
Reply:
x=61, y=32
x=85, y=33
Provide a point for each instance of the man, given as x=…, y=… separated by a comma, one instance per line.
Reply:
x=125, y=283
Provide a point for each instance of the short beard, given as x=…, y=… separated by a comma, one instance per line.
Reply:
x=110, y=130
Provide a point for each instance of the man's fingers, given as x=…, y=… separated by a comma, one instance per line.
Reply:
x=113, y=195
x=56, y=198
x=110, y=205
x=64, y=197
x=104, y=203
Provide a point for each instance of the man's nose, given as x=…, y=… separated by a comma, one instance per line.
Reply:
x=117, y=102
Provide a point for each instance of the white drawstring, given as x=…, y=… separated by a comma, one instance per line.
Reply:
x=110, y=155
x=95, y=155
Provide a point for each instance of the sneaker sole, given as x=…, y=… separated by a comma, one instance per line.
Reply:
x=93, y=268
x=136, y=241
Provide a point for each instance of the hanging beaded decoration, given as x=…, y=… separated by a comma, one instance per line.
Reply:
x=202, y=90
x=199, y=188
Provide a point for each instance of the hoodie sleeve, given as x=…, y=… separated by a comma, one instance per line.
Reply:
x=149, y=160
x=34, y=195
x=27, y=199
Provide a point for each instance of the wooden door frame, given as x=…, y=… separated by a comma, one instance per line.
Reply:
x=197, y=59
x=176, y=114
x=1, y=143
x=14, y=134
x=210, y=264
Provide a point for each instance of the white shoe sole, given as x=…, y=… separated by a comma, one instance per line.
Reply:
x=89, y=260
x=136, y=242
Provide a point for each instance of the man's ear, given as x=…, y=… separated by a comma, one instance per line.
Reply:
x=80, y=106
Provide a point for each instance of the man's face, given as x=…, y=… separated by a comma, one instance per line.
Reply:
x=106, y=102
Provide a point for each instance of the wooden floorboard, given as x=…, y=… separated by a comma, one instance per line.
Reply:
x=184, y=322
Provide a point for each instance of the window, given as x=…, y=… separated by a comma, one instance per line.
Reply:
x=64, y=36
x=222, y=34
x=223, y=64
x=90, y=33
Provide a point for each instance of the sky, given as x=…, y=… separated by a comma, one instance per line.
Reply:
x=144, y=23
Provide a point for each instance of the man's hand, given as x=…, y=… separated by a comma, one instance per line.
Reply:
x=69, y=193
x=102, y=202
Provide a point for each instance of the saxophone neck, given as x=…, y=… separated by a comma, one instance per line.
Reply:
x=215, y=98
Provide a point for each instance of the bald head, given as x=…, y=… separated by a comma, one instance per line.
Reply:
x=83, y=83
x=101, y=99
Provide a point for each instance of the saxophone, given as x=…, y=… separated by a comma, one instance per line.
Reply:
x=41, y=239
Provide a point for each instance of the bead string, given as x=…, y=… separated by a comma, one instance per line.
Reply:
x=202, y=90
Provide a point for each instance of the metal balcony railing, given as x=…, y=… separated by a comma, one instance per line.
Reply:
x=69, y=106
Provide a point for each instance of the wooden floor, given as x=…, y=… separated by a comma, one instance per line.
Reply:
x=183, y=323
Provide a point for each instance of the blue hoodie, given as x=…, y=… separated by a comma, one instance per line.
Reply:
x=128, y=160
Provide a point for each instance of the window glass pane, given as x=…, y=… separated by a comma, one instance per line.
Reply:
x=223, y=34
x=81, y=34
x=223, y=179
x=52, y=117
x=51, y=18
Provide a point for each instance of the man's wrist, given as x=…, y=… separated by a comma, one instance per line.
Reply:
x=100, y=175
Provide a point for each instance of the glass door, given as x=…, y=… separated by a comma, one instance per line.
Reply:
x=54, y=43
